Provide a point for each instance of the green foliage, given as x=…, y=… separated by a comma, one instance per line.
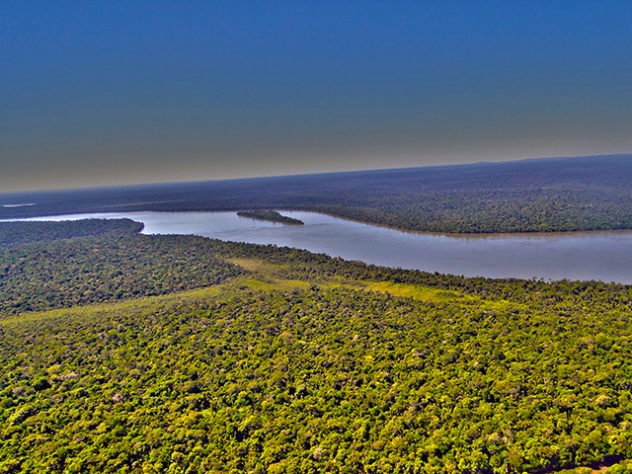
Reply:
x=14, y=234
x=89, y=270
x=301, y=363
x=327, y=380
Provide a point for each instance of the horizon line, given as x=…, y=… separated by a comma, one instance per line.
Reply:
x=323, y=173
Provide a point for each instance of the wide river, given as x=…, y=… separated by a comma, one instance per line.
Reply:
x=605, y=256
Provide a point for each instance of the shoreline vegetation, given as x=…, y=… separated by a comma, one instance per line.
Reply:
x=270, y=216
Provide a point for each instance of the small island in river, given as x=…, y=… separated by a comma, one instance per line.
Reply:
x=272, y=216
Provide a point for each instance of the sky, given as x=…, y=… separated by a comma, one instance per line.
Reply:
x=122, y=92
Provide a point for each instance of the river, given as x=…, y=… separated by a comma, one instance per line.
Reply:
x=605, y=256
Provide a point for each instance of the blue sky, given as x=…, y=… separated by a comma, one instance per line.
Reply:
x=115, y=92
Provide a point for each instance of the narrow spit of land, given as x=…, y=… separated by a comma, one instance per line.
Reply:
x=271, y=216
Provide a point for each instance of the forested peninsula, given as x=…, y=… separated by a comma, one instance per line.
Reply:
x=154, y=353
x=543, y=195
x=17, y=233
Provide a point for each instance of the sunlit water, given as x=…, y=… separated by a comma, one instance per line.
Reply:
x=605, y=256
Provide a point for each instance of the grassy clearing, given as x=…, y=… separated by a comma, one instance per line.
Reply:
x=261, y=281
x=416, y=292
x=264, y=278
x=132, y=306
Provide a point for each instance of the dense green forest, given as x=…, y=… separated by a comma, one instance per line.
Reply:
x=268, y=215
x=182, y=354
x=563, y=194
x=14, y=234
x=79, y=271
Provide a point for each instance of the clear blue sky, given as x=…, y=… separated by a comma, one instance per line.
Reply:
x=113, y=92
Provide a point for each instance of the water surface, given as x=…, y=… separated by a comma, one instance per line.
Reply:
x=605, y=256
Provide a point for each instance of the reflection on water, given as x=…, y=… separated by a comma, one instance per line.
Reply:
x=605, y=256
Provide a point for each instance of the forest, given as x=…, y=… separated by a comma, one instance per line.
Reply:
x=543, y=195
x=182, y=354
x=17, y=233
x=77, y=271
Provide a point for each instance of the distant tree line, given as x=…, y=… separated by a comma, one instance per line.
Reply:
x=551, y=195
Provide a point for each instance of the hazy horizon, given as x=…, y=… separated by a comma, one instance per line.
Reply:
x=121, y=94
x=289, y=175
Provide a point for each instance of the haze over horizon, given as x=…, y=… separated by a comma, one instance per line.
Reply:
x=124, y=185
x=113, y=94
